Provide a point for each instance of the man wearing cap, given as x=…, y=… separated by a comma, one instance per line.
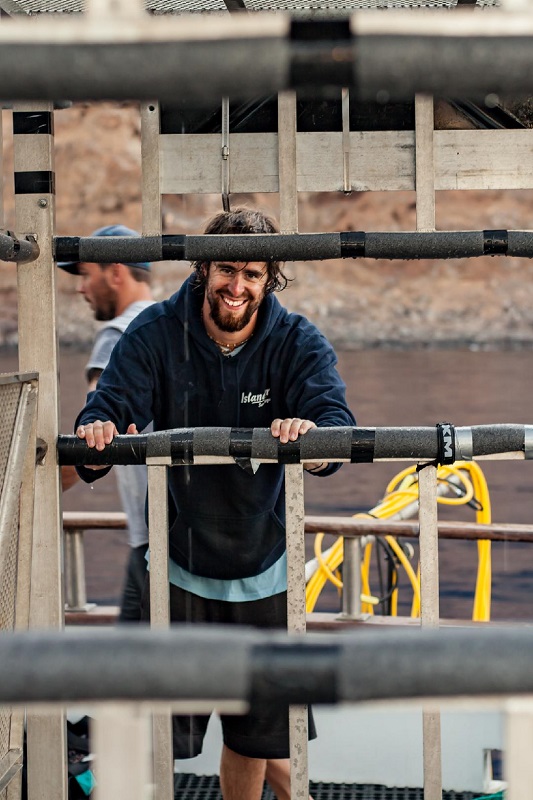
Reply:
x=117, y=293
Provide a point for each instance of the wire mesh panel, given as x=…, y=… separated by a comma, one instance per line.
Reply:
x=17, y=406
x=207, y=787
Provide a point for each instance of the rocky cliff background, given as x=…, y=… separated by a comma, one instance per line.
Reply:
x=477, y=303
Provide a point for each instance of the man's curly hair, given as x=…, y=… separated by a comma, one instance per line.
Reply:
x=240, y=221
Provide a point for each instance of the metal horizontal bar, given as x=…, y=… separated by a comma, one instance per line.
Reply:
x=178, y=664
x=90, y=520
x=20, y=250
x=297, y=247
x=350, y=526
x=250, y=55
x=340, y=526
x=349, y=444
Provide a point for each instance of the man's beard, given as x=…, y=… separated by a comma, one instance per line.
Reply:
x=228, y=321
x=106, y=310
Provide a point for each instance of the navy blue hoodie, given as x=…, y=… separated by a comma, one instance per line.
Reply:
x=224, y=522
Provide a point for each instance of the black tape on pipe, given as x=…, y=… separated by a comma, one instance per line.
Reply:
x=122, y=450
x=263, y=247
x=278, y=671
x=489, y=439
x=363, y=443
x=520, y=243
x=496, y=243
x=182, y=446
x=411, y=443
x=173, y=248
x=415, y=245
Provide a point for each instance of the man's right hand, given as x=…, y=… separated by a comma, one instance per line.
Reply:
x=98, y=434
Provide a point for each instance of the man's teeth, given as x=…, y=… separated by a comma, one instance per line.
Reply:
x=233, y=303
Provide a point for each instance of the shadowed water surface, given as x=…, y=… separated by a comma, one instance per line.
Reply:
x=385, y=388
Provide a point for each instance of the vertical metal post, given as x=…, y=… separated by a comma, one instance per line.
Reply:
x=225, y=155
x=151, y=191
x=346, y=179
x=429, y=613
x=75, y=592
x=351, y=578
x=160, y=614
x=35, y=213
x=121, y=737
x=287, y=167
x=518, y=743
x=424, y=163
x=298, y=720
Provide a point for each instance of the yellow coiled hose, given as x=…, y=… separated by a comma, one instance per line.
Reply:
x=402, y=492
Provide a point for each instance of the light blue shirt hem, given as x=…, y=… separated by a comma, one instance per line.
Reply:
x=272, y=581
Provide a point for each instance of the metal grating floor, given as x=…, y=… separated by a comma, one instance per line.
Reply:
x=33, y=7
x=196, y=787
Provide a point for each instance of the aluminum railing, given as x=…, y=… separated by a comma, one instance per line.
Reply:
x=174, y=448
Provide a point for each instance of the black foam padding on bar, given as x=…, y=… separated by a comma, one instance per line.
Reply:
x=67, y=248
x=520, y=243
x=240, y=444
x=336, y=442
x=158, y=445
x=488, y=439
x=406, y=443
x=263, y=247
x=172, y=249
x=120, y=249
x=19, y=250
x=362, y=445
x=280, y=673
x=211, y=441
x=26, y=122
x=289, y=453
x=495, y=243
x=36, y=182
x=182, y=446
x=123, y=450
x=353, y=244
x=264, y=445
x=415, y=245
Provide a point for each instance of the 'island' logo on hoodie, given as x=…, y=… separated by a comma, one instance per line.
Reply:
x=256, y=399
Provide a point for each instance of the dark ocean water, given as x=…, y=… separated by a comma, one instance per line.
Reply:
x=385, y=388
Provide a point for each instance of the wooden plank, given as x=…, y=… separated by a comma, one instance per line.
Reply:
x=381, y=161
x=190, y=163
x=484, y=159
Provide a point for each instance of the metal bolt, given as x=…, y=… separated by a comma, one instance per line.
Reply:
x=43, y=203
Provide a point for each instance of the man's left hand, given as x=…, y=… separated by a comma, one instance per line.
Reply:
x=289, y=429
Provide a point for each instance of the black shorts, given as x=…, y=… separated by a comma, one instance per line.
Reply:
x=264, y=731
